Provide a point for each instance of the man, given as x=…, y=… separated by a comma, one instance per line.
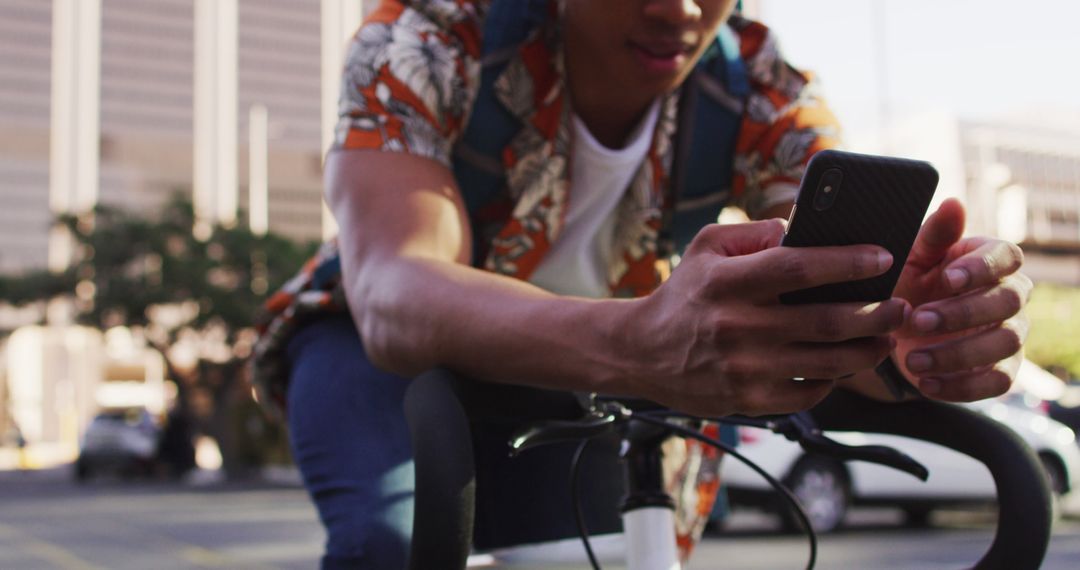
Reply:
x=530, y=287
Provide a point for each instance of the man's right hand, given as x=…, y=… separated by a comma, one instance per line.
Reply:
x=714, y=339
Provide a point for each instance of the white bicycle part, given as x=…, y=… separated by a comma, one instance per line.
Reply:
x=650, y=539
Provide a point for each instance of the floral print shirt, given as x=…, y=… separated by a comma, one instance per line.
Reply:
x=411, y=75
x=414, y=69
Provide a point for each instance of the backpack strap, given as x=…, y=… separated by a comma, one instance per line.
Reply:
x=477, y=154
x=709, y=124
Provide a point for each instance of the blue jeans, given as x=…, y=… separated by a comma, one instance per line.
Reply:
x=351, y=441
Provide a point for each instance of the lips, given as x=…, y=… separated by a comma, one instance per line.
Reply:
x=662, y=49
x=661, y=56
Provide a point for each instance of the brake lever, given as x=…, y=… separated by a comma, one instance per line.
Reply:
x=880, y=454
x=801, y=428
x=557, y=431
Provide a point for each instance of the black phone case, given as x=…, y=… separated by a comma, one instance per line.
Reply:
x=881, y=200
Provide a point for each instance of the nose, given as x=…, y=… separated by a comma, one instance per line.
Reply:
x=676, y=12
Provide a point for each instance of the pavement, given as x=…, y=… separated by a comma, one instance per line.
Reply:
x=49, y=522
x=36, y=457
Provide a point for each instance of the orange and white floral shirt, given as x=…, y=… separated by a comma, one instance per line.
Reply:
x=413, y=72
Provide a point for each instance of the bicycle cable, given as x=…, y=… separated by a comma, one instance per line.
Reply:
x=793, y=502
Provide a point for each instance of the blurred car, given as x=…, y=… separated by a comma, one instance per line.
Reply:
x=1066, y=409
x=827, y=487
x=122, y=441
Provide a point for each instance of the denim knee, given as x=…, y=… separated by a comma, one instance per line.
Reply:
x=351, y=443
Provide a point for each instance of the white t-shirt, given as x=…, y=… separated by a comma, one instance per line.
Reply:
x=577, y=263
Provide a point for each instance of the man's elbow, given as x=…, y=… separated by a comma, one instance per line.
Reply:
x=387, y=344
x=380, y=346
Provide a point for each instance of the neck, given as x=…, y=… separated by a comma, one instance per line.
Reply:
x=609, y=113
x=609, y=120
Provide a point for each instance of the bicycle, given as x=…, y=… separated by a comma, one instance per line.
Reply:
x=440, y=406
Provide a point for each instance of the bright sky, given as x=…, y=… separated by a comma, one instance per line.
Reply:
x=976, y=58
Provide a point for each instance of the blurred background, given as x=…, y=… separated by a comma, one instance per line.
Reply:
x=160, y=173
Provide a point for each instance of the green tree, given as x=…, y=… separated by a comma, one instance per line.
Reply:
x=1054, y=339
x=156, y=276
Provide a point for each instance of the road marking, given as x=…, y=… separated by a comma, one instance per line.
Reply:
x=205, y=557
x=47, y=551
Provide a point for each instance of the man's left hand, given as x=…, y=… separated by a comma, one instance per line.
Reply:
x=964, y=336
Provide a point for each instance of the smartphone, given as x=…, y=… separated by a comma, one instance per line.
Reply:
x=847, y=199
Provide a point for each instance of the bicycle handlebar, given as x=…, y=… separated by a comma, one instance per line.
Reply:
x=445, y=495
x=1024, y=498
x=437, y=401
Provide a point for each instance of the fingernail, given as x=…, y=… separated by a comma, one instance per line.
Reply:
x=927, y=321
x=884, y=260
x=919, y=361
x=957, y=278
x=930, y=386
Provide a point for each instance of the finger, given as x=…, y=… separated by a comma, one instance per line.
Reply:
x=987, y=262
x=730, y=240
x=830, y=360
x=976, y=385
x=940, y=231
x=831, y=322
x=753, y=396
x=785, y=396
x=968, y=353
x=766, y=274
x=974, y=309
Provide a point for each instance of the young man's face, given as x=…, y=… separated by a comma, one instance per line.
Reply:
x=647, y=45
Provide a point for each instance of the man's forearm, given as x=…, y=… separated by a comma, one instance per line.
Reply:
x=417, y=313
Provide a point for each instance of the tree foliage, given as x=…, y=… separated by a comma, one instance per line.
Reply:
x=1054, y=339
x=35, y=286
x=129, y=266
x=155, y=275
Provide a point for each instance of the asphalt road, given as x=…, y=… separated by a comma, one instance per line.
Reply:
x=47, y=522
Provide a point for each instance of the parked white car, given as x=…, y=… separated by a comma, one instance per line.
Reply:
x=123, y=441
x=827, y=487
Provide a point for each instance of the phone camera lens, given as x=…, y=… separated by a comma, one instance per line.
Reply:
x=828, y=188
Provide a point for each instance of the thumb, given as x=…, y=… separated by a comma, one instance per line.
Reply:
x=940, y=231
x=730, y=240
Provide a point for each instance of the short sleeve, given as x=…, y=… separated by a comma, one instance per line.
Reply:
x=785, y=122
x=410, y=78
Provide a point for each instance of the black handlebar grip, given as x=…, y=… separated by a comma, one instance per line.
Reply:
x=1024, y=499
x=445, y=472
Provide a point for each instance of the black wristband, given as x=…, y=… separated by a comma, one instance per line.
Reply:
x=895, y=381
